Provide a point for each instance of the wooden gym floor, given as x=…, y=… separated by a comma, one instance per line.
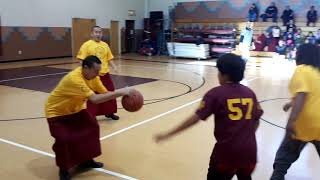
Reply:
x=172, y=89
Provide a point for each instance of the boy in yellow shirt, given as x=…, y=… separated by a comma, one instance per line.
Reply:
x=97, y=47
x=76, y=132
x=304, y=120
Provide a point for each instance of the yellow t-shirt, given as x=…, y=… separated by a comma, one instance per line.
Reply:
x=99, y=49
x=71, y=94
x=307, y=79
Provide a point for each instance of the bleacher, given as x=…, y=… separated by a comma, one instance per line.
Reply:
x=259, y=27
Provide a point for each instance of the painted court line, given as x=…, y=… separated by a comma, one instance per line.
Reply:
x=194, y=70
x=105, y=137
x=30, y=77
x=149, y=120
x=53, y=74
x=52, y=156
x=157, y=117
x=27, y=148
x=44, y=75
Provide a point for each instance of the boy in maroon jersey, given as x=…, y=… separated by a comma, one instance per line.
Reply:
x=237, y=113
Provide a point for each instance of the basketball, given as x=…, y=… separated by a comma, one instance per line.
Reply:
x=132, y=102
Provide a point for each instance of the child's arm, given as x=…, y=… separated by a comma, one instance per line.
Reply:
x=297, y=106
x=257, y=125
x=259, y=114
x=113, y=66
x=191, y=121
x=287, y=106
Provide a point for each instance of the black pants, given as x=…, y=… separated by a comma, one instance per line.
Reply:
x=311, y=20
x=286, y=20
x=288, y=152
x=265, y=17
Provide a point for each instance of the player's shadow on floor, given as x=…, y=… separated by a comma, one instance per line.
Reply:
x=45, y=168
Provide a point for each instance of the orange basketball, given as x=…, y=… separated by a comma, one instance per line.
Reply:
x=132, y=102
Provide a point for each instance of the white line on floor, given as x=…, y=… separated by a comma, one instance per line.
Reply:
x=157, y=117
x=53, y=156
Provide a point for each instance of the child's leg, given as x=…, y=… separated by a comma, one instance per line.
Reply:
x=245, y=52
x=288, y=153
x=274, y=17
x=245, y=173
x=250, y=17
x=264, y=17
x=317, y=145
x=220, y=172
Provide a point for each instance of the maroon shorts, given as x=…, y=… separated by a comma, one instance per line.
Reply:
x=226, y=172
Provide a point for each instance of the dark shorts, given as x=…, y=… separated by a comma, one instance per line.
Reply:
x=226, y=172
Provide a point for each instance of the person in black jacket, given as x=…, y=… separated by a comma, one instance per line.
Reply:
x=271, y=12
x=253, y=13
x=291, y=24
x=287, y=15
x=312, y=16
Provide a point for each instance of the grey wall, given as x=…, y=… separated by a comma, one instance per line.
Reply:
x=58, y=13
